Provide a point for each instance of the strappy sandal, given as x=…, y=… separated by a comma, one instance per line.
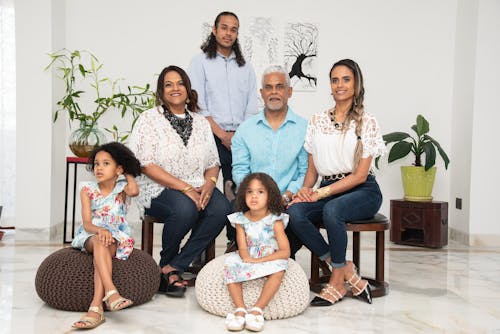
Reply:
x=235, y=323
x=328, y=296
x=90, y=322
x=254, y=322
x=363, y=294
x=171, y=289
x=118, y=304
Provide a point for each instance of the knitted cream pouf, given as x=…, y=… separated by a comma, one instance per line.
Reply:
x=65, y=279
x=291, y=299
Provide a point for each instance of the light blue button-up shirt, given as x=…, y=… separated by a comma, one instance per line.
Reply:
x=226, y=91
x=256, y=147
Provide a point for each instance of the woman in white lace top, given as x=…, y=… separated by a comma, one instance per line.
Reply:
x=342, y=143
x=180, y=166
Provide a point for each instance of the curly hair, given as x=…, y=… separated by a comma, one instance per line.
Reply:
x=192, y=95
x=209, y=47
x=356, y=111
x=121, y=154
x=274, y=203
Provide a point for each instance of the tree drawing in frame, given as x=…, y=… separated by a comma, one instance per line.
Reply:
x=300, y=53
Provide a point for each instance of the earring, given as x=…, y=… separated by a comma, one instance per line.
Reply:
x=188, y=100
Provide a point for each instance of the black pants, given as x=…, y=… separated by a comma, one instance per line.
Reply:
x=226, y=160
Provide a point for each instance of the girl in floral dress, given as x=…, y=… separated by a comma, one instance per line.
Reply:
x=104, y=231
x=263, y=248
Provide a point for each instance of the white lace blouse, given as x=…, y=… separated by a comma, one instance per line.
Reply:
x=155, y=141
x=333, y=150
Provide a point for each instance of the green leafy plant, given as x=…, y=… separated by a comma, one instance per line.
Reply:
x=77, y=68
x=404, y=143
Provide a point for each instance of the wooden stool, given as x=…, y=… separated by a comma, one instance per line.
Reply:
x=147, y=243
x=378, y=224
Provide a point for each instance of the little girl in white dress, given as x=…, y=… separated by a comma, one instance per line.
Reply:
x=263, y=249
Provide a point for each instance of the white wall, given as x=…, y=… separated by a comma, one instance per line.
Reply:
x=406, y=49
x=462, y=106
x=34, y=128
x=485, y=183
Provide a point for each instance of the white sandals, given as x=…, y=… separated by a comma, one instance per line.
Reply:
x=254, y=323
x=235, y=322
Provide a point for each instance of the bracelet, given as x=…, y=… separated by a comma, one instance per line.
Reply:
x=213, y=179
x=323, y=192
x=188, y=188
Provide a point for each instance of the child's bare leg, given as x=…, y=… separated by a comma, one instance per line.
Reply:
x=98, y=293
x=235, y=320
x=269, y=289
x=102, y=261
x=236, y=293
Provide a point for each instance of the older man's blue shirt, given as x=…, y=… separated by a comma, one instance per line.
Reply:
x=256, y=147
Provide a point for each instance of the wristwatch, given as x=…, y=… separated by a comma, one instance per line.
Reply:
x=286, y=199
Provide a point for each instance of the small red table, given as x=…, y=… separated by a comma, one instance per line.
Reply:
x=75, y=161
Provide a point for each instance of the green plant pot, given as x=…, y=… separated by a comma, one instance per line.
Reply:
x=418, y=183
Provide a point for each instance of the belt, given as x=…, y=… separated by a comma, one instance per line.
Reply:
x=334, y=177
x=340, y=176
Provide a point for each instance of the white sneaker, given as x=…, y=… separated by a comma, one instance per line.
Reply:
x=235, y=322
x=254, y=323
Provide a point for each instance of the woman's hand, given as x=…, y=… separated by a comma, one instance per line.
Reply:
x=205, y=191
x=303, y=195
x=105, y=237
x=195, y=196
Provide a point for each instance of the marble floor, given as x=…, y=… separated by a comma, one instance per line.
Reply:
x=451, y=290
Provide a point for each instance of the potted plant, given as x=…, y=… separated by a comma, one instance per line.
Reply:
x=418, y=180
x=79, y=68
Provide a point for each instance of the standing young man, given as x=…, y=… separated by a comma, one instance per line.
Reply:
x=227, y=92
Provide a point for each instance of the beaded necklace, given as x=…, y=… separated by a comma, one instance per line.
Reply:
x=183, y=126
x=336, y=125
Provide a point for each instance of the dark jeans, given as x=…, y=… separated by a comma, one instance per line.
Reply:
x=180, y=216
x=226, y=161
x=361, y=202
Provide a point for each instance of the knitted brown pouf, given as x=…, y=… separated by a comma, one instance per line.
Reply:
x=65, y=281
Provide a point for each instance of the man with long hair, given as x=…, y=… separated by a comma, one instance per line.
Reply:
x=227, y=92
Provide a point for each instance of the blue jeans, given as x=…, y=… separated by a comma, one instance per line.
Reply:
x=180, y=216
x=361, y=202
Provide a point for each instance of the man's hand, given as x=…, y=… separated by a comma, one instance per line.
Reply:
x=226, y=139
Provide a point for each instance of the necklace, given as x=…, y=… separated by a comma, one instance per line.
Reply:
x=183, y=126
x=336, y=125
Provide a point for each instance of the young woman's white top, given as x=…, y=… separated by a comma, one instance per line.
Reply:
x=333, y=150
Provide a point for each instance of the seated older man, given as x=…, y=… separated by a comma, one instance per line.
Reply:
x=272, y=141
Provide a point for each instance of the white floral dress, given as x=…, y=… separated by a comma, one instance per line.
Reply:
x=107, y=212
x=261, y=242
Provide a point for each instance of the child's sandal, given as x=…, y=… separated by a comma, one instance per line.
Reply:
x=235, y=322
x=254, y=322
x=118, y=304
x=90, y=322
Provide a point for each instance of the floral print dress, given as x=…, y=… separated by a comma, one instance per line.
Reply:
x=107, y=212
x=261, y=242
